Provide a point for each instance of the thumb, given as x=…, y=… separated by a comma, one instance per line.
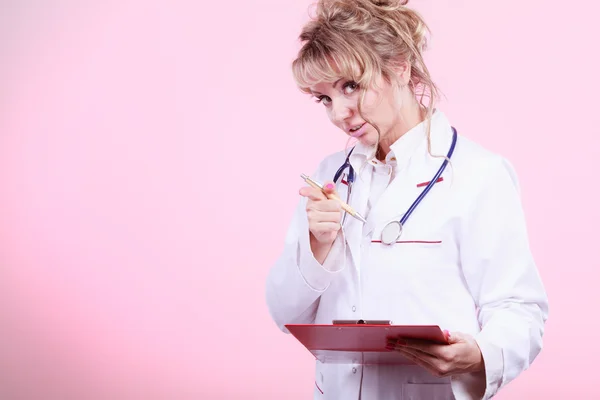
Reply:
x=454, y=337
x=329, y=187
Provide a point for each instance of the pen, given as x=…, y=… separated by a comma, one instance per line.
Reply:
x=345, y=206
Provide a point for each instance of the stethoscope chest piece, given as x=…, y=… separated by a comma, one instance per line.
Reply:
x=391, y=232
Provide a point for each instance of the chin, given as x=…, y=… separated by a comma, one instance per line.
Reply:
x=369, y=138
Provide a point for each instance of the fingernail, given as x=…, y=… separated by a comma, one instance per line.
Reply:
x=329, y=186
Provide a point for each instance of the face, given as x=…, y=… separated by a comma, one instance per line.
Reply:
x=382, y=106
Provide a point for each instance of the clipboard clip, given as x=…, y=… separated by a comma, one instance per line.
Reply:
x=362, y=322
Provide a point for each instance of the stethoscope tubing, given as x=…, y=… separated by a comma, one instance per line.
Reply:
x=351, y=177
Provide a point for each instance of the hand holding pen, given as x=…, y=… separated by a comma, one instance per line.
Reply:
x=324, y=217
x=333, y=195
x=324, y=210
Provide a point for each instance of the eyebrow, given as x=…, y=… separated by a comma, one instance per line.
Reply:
x=334, y=85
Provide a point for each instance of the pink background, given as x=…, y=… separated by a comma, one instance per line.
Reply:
x=134, y=244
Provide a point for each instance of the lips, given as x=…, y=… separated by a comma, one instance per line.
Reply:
x=355, y=128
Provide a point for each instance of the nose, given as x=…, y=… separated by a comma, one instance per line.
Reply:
x=341, y=111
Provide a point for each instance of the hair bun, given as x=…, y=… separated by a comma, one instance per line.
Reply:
x=389, y=2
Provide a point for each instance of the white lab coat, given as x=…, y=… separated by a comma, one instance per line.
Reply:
x=464, y=264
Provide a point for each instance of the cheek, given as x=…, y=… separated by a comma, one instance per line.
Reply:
x=332, y=118
x=383, y=117
x=377, y=107
x=388, y=111
x=371, y=102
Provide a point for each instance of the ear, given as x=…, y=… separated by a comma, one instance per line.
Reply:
x=402, y=70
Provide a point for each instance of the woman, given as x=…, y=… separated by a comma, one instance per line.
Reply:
x=462, y=260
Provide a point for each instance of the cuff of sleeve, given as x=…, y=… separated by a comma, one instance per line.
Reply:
x=494, y=365
x=318, y=277
x=481, y=385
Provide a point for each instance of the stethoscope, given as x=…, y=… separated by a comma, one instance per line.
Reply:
x=393, y=230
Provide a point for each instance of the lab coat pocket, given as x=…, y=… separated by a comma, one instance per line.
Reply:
x=318, y=392
x=413, y=261
x=429, y=391
x=409, y=253
x=427, y=244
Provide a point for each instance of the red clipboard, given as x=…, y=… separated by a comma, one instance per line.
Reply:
x=360, y=343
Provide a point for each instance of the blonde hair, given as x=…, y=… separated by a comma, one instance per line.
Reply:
x=364, y=40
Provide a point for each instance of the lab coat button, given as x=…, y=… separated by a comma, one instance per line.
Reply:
x=353, y=308
x=353, y=370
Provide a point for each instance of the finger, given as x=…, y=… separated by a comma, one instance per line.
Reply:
x=312, y=193
x=320, y=216
x=435, y=365
x=320, y=228
x=422, y=360
x=329, y=187
x=325, y=206
x=456, y=337
x=416, y=355
x=425, y=346
x=432, y=360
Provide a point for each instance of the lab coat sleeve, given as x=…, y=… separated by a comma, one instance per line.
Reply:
x=296, y=281
x=502, y=276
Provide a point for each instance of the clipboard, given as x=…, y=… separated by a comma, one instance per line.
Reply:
x=361, y=343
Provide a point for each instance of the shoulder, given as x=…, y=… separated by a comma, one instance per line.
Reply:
x=478, y=167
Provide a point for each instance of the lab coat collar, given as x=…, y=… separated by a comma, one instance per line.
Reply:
x=404, y=147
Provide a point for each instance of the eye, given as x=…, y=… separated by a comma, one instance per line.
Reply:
x=350, y=87
x=324, y=99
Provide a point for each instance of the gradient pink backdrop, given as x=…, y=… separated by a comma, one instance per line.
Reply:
x=134, y=244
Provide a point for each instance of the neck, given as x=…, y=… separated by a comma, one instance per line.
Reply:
x=410, y=116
